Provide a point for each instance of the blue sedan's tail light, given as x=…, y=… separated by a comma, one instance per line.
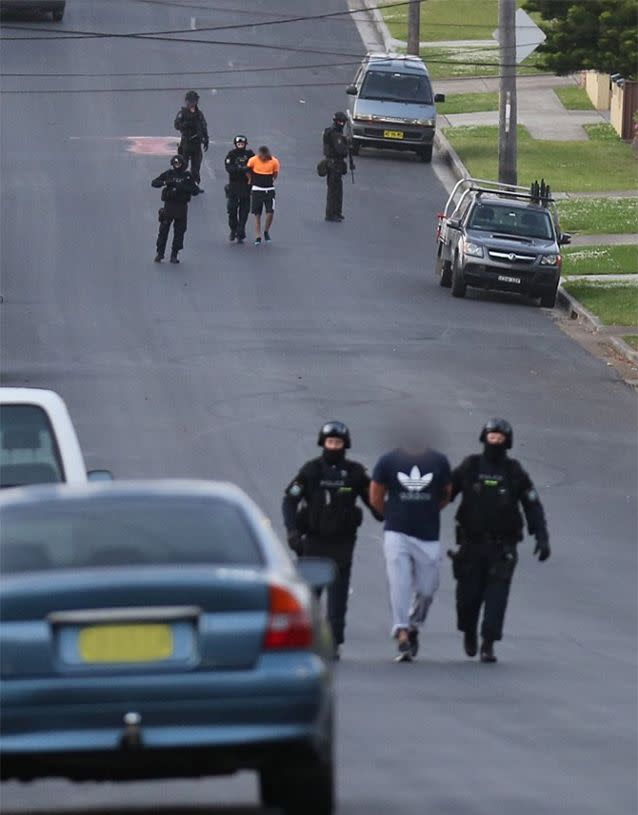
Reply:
x=289, y=623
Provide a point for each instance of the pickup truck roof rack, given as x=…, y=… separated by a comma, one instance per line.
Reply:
x=536, y=193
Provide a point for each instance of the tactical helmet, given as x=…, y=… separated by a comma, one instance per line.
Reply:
x=497, y=426
x=192, y=97
x=337, y=430
x=238, y=138
x=340, y=116
x=178, y=162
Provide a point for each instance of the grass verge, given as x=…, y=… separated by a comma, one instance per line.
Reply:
x=573, y=97
x=570, y=166
x=599, y=216
x=468, y=103
x=450, y=62
x=444, y=20
x=614, y=304
x=631, y=340
x=586, y=260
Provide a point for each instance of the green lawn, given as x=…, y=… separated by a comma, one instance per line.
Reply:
x=632, y=340
x=447, y=20
x=457, y=61
x=602, y=216
x=573, y=97
x=583, y=260
x=569, y=166
x=468, y=103
x=614, y=304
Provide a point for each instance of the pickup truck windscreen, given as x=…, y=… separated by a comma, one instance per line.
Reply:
x=518, y=221
x=29, y=452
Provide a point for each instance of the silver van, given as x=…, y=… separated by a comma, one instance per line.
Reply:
x=392, y=105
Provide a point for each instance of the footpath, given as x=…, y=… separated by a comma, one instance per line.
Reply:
x=561, y=138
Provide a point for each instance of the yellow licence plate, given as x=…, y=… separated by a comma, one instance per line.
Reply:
x=125, y=643
x=393, y=134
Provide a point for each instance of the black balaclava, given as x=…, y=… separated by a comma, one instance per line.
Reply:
x=495, y=452
x=334, y=457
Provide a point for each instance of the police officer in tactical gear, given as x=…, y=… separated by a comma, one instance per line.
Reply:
x=177, y=187
x=335, y=150
x=191, y=123
x=238, y=188
x=489, y=527
x=322, y=517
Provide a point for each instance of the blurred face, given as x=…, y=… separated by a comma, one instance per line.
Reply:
x=495, y=438
x=333, y=443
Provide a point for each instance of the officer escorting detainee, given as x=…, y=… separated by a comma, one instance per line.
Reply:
x=322, y=517
x=489, y=527
x=238, y=188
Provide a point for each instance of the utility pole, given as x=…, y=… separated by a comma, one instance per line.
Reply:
x=508, y=116
x=414, y=27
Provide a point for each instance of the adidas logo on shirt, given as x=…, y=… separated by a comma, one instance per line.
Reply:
x=415, y=482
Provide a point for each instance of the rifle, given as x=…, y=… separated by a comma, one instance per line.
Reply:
x=351, y=164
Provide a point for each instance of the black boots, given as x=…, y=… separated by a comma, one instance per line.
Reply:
x=159, y=258
x=174, y=258
x=470, y=643
x=487, y=651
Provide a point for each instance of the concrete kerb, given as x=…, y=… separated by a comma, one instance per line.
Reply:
x=387, y=40
x=448, y=154
x=577, y=311
x=623, y=348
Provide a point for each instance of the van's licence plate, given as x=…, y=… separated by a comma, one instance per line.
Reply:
x=393, y=134
x=505, y=279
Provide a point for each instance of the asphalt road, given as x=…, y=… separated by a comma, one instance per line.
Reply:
x=225, y=366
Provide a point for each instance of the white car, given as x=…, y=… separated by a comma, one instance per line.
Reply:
x=38, y=443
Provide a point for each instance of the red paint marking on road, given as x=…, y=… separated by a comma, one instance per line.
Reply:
x=152, y=145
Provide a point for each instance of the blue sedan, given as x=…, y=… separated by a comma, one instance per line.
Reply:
x=161, y=630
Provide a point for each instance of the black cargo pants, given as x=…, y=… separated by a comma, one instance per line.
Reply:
x=238, y=206
x=484, y=574
x=339, y=550
x=334, y=182
x=193, y=156
x=178, y=218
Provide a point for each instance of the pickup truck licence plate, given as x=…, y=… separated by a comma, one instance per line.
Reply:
x=505, y=279
x=393, y=134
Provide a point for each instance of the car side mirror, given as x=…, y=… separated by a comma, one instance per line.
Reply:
x=100, y=475
x=352, y=90
x=565, y=238
x=453, y=223
x=318, y=572
x=439, y=97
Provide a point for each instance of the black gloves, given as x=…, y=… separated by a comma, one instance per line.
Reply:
x=205, y=146
x=295, y=542
x=542, y=548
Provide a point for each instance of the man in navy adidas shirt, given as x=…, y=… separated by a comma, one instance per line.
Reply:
x=410, y=486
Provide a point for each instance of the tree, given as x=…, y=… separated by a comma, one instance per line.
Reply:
x=599, y=35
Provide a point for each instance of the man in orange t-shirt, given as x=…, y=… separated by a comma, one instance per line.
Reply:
x=264, y=169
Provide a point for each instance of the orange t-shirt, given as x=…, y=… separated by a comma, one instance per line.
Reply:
x=263, y=171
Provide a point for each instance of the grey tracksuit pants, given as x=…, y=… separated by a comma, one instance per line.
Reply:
x=413, y=567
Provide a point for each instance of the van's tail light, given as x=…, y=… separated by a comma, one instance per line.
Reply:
x=289, y=623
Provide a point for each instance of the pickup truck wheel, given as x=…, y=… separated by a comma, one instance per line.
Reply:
x=444, y=270
x=459, y=286
x=425, y=153
x=548, y=300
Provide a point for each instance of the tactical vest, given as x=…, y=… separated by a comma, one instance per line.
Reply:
x=490, y=499
x=330, y=507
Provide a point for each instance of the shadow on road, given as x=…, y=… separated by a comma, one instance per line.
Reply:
x=203, y=809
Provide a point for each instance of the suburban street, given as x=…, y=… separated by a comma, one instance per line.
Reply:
x=225, y=366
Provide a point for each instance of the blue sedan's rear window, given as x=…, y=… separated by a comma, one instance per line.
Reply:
x=92, y=533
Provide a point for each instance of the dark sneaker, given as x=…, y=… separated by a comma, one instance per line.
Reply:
x=470, y=643
x=232, y=235
x=341, y=217
x=405, y=652
x=240, y=240
x=487, y=652
x=257, y=241
x=267, y=237
x=413, y=639
x=174, y=259
x=333, y=219
x=159, y=258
